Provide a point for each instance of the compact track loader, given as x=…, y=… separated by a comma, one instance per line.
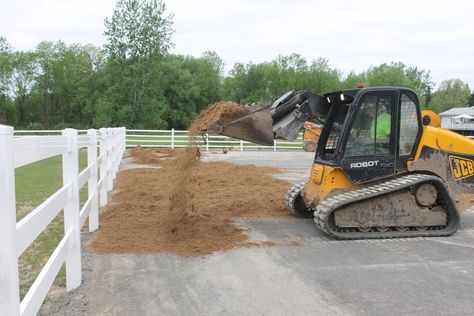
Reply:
x=382, y=169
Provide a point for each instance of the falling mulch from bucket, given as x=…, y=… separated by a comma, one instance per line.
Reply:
x=188, y=207
x=217, y=113
x=148, y=215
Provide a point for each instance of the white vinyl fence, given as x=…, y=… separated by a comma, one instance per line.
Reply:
x=180, y=138
x=16, y=237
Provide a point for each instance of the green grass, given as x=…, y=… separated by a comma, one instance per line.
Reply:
x=34, y=184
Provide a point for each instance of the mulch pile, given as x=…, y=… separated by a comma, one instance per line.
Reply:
x=188, y=207
x=217, y=113
x=187, y=211
x=150, y=155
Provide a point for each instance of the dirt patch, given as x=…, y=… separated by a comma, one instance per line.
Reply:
x=148, y=214
x=217, y=113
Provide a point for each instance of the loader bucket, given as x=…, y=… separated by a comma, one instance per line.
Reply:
x=254, y=124
x=264, y=122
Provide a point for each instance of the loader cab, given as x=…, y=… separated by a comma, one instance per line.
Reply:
x=370, y=133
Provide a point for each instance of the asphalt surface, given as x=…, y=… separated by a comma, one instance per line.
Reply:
x=305, y=274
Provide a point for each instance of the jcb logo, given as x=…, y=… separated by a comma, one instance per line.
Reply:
x=461, y=167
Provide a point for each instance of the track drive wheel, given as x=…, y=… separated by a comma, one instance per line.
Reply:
x=294, y=202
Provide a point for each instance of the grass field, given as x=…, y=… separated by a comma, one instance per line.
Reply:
x=34, y=184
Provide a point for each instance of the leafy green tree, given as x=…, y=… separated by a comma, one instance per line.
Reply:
x=288, y=73
x=138, y=36
x=23, y=81
x=267, y=81
x=451, y=93
x=471, y=99
x=428, y=97
x=66, y=86
x=322, y=78
x=398, y=74
x=138, y=29
x=353, y=79
x=251, y=83
x=189, y=85
x=6, y=73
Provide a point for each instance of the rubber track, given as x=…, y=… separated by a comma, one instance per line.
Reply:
x=325, y=208
x=291, y=197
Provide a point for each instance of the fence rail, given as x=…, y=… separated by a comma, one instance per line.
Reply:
x=16, y=237
x=181, y=138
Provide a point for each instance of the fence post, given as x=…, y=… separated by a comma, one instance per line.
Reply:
x=103, y=167
x=71, y=210
x=124, y=144
x=241, y=145
x=172, y=138
x=110, y=158
x=118, y=141
x=92, y=184
x=124, y=140
x=112, y=153
x=206, y=137
x=115, y=133
x=274, y=145
x=9, y=280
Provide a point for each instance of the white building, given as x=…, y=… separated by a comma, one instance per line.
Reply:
x=460, y=120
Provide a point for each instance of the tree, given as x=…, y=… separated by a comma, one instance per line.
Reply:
x=398, y=74
x=138, y=36
x=322, y=78
x=451, y=93
x=428, y=97
x=352, y=79
x=138, y=29
x=268, y=81
x=6, y=72
x=251, y=83
x=471, y=99
x=24, y=77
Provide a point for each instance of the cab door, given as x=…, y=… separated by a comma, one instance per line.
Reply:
x=369, y=151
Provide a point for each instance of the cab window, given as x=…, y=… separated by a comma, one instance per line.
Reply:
x=409, y=125
x=372, y=127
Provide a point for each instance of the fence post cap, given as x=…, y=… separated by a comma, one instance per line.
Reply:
x=69, y=131
x=6, y=130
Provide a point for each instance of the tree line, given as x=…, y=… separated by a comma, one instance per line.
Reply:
x=134, y=80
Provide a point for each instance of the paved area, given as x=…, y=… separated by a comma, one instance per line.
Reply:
x=305, y=274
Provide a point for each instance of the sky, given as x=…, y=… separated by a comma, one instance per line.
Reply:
x=436, y=35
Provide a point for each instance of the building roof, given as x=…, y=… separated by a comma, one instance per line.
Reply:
x=458, y=111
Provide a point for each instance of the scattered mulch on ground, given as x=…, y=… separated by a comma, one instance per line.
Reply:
x=151, y=155
x=217, y=113
x=187, y=207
